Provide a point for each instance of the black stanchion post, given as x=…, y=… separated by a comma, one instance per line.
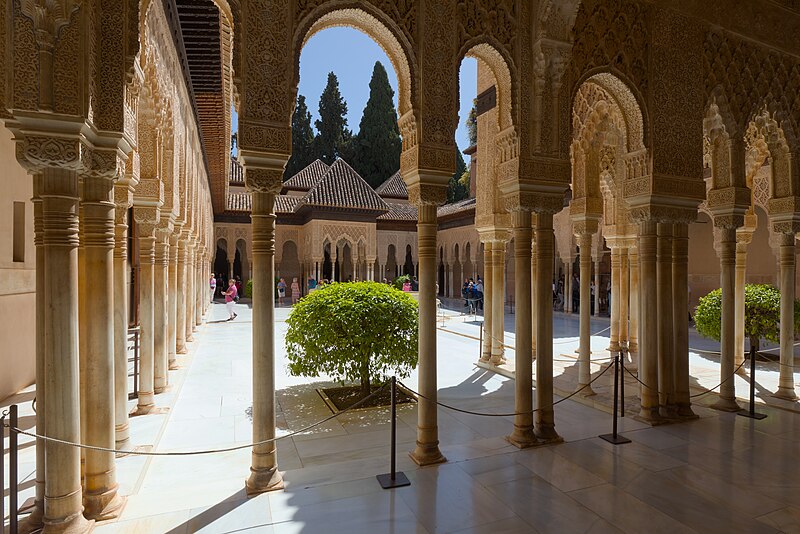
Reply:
x=13, y=470
x=751, y=413
x=393, y=479
x=614, y=437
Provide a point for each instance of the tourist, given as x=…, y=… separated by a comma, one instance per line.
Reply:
x=295, y=291
x=212, y=283
x=231, y=296
x=281, y=291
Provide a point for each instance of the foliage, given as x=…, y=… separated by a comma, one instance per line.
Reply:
x=762, y=311
x=472, y=123
x=376, y=149
x=358, y=331
x=302, y=140
x=400, y=280
x=333, y=136
x=455, y=188
x=248, y=289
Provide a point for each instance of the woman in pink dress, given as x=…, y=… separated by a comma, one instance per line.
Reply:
x=295, y=291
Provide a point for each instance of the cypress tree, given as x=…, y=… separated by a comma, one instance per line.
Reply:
x=377, y=146
x=302, y=140
x=458, y=187
x=333, y=136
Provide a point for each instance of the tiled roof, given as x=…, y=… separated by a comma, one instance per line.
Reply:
x=456, y=207
x=239, y=202
x=394, y=187
x=399, y=212
x=237, y=173
x=342, y=187
x=286, y=203
x=308, y=177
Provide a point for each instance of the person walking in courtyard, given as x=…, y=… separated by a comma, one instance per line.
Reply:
x=231, y=295
x=281, y=291
x=212, y=283
x=295, y=291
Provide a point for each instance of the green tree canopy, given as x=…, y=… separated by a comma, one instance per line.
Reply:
x=361, y=331
x=377, y=147
x=333, y=135
x=762, y=314
x=302, y=140
x=457, y=189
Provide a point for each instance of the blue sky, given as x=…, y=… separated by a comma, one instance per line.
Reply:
x=351, y=55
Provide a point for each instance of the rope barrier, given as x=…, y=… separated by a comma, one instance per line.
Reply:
x=690, y=396
x=482, y=414
x=200, y=452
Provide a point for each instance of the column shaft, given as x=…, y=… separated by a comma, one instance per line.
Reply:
x=523, y=435
x=498, y=301
x=727, y=391
x=545, y=244
x=62, y=503
x=786, y=376
x=427, y=449
x=680, y=290
x=264, y=474
x=584, y=349
x=486, y=351
x=664, y=296
x=648, y=320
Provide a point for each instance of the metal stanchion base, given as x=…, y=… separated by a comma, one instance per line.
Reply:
x=387, y=482
x=752, y=415
x=619, y=439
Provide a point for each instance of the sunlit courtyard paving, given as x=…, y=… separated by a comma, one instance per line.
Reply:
x=721, y=473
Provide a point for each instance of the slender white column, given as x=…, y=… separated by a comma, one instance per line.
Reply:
x=648, y=320
x=545, y=244
x=172, y=301
x=680, y=321
x=523, y=435
x=264, y=474
x=486, y=351
x=180, y=332
x=427, y=450
x=100, y=499
x=498, y=302
x=727, y=391
x=62, y=502
x=160, y=310
x=664, y=297
x=786, y=376
x=584, y=351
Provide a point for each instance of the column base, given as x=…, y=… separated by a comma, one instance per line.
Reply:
x=726, y=405
x=103, y=506
x=523, y=438
x=263, y=480
x=75, y=524
x=427, y=454
x=35, y=521
x=785, y=393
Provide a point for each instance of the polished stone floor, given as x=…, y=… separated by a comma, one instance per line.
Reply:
x=720, y=473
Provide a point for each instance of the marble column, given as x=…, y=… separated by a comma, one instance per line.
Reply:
x=633, y=327
x=664, y=298
x=180, y=323
x=146, y=221
x=121, y=322
x=523, y=435
x=486, y=351
x=264, y=474
x=545, y=427
x=624, y=296
x=160, y=310
x=498, y=302
x=680, y=320
x=787, y=274
x=584, y=348
x=63, y=507
x=427, y=450
x=616, y=279
x=100, y=499
x=741, y=269
x=172, y=301
x=648, y=320
x=596, y=311
x=727, y=253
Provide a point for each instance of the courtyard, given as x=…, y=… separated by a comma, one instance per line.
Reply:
x=720, y=473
